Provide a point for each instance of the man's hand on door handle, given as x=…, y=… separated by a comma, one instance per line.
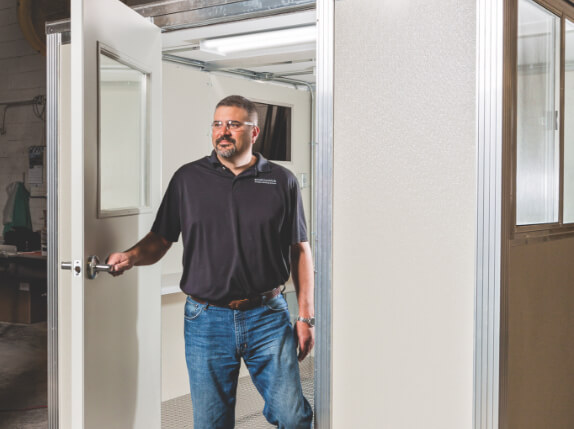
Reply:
x=120, y=262
x=147, y=251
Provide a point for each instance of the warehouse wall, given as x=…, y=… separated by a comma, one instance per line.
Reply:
x=22, y=77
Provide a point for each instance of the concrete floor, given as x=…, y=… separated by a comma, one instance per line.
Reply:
x=23, y=376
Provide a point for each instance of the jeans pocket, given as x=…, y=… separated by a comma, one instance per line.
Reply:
x=193, y=309
x=277, y=303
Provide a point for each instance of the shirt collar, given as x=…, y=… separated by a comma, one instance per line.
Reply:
x=262, y=165
x=213, y=159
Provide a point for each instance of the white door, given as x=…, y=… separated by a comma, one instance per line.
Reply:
x=109, y=188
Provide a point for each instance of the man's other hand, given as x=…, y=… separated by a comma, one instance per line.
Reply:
x=305, y=338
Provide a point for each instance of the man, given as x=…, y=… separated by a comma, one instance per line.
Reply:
x=243, y=229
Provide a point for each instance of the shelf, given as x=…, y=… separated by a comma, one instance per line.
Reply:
x=170, y=283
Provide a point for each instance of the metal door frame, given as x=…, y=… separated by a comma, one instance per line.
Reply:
x=195, y=13
x=53, y=43
x=489, y=368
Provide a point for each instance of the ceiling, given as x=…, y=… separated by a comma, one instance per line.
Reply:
x=295, y=62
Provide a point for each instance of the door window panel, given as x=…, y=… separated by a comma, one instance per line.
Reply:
x=123, y=137
x=537, y=128
x=568, y=216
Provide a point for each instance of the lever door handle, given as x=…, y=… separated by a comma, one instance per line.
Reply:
x=94, y=267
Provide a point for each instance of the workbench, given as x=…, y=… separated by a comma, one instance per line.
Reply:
x=23, y=287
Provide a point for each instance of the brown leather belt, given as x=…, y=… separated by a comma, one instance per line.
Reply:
x=241, y=304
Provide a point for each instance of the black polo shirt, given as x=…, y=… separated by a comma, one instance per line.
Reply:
x=236, y=230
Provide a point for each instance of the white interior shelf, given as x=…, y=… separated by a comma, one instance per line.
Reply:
x=170, y=283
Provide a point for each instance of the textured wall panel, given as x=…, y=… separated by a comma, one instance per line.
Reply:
x=404, y=214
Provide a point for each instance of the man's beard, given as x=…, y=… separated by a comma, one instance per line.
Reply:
x=225, y=153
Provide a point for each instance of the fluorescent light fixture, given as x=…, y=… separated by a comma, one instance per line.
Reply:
x=259, y=41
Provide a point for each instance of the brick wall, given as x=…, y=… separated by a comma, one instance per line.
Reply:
x=22, y=77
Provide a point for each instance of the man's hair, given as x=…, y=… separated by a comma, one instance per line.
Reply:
x=242, y=102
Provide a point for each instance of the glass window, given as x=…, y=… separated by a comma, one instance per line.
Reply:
x=123, y=139
x=537, y=127
x=569, y=123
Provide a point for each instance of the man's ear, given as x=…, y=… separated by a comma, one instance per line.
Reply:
x=254, y=134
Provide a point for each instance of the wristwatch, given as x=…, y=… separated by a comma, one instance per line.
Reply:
x=309, y=321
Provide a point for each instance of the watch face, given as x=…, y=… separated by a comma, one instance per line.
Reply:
x=310, y=321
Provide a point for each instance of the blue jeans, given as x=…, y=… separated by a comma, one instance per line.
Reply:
x=216, y=339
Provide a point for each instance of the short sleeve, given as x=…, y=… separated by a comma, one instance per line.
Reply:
x=167, y=221
x=297, y=222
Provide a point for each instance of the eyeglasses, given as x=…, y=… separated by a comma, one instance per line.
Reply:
x=231, y=125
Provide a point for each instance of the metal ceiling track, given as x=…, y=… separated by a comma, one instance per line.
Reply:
x=172, y=15
x=266, y=77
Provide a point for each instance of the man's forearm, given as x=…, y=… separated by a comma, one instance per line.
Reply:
x=303, y=278
x=149, y=249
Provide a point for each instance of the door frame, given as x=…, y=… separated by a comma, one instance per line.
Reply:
x=58, y=33
x=492, y=214
x=53, y=43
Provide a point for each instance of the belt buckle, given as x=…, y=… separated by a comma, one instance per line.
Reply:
x=239, y=304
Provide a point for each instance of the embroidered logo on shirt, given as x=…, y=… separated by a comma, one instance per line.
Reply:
x=266, y=181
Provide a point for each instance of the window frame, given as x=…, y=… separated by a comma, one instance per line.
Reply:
x=563, y=10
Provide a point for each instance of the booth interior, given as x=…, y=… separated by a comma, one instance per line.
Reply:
x=190, y=94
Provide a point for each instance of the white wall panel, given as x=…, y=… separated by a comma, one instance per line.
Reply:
x=404, y=214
